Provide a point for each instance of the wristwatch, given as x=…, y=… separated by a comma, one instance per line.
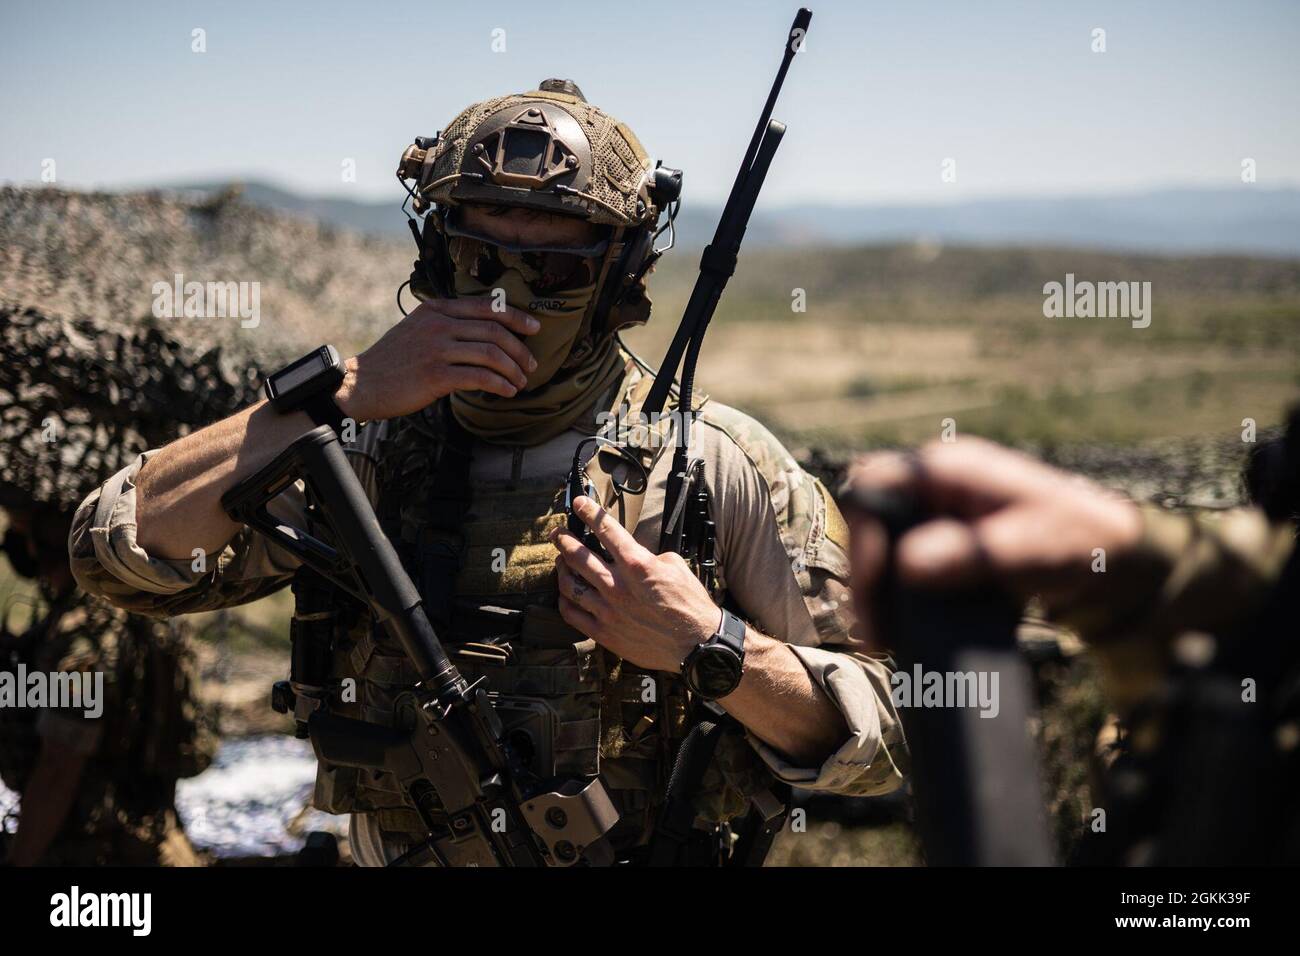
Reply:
x=715, y=667
x=309, y=384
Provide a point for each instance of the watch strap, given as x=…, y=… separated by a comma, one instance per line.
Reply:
x=731, y=632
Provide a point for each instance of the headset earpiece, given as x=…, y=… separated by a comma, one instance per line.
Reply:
x=639, y=252
x=415, y=165
x=667, y=186
x=641, y=256
x=431, y=273
x=623, y=274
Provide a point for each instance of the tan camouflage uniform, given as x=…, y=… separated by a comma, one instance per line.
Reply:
x=1205, y=572
x=781, y=548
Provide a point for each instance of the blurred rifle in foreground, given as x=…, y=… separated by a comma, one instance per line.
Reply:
x=975, y=778
x=1213, y=773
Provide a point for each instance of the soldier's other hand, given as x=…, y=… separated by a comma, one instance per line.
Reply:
x=999, y=516
x=646, y=608
x=442, y=346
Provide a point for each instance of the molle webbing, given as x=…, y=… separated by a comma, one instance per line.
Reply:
x=424, y=498
x=440, y=540
x=507, y=547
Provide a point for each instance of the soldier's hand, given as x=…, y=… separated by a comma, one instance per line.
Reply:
x=647, y=608
x=441, y=347
x=999, y=516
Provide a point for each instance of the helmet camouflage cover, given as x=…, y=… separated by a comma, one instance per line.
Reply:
x=79, y=400
x=546, y=149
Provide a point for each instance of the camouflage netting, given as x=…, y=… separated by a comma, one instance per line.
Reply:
x=79, y=400
x=100, y=254
x=620, y=165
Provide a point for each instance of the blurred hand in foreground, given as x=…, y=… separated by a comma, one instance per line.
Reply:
x=997, y=517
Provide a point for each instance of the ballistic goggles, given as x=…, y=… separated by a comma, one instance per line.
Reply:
x=546, y=268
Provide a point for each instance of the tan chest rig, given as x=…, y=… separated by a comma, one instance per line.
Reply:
x=573, y=709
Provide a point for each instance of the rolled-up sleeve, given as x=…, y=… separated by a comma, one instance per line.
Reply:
x=107, y=559
x=872, y=760
x=1208, y=572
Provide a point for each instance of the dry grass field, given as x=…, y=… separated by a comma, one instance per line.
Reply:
x=896, y=339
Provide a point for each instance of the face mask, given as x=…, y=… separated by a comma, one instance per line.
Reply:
x=560, y=311
x=573, y=370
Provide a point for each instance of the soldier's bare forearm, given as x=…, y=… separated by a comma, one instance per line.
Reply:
x=780, y=703
x=453, y=344
x=178, y=491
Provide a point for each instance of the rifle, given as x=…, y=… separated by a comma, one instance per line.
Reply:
x=1206, y=781
x=1214, y=781
x=481, y=804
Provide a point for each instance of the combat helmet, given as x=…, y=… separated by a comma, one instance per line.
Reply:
x=546, y=149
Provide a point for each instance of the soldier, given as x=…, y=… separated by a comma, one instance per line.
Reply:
x=97, y=788
x=1002, y=517
x=1191, y=617
x=542, y=210
x=97, y=785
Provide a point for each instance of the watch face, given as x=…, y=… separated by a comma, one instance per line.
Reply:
x=715, y=671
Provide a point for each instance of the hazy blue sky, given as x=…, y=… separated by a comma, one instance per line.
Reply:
x=885, y=92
